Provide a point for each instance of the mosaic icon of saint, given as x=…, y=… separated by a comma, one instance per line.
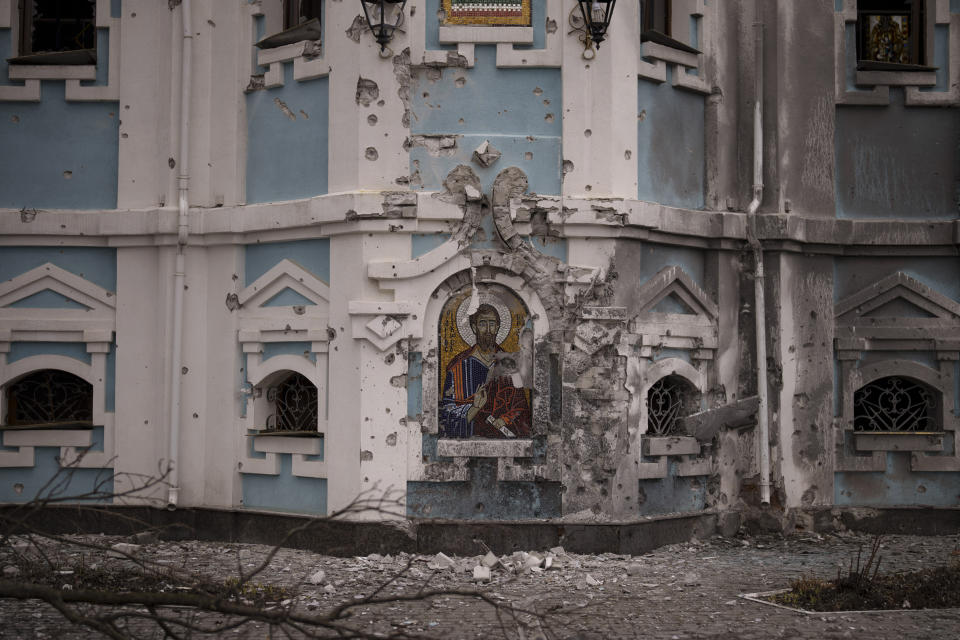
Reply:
x=481, y=397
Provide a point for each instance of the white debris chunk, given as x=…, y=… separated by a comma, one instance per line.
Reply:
x=481, y=573
x=317, y=577
x=123, y=549
x=593, y=582
x=489, y=560
x=441, y=561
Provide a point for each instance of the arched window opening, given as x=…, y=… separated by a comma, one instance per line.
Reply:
x=293, y=404
x=894, y=404
x=49, y=397
x=669, y=399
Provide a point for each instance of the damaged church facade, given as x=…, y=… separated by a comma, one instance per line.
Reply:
x=502, y=270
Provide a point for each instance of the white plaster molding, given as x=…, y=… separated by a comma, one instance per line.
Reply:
x=287, y=444
x=21, y=458
x=67, y=284
x=657, y=51
x=8, y=13
x=29, y=91
x=482, y=34
x=550, y=56
x=52, y=72
x=268, y=466
x=303, y=468
x=285, y=274
x=111, y=91
x=48, y=438
x=519, y=448
x=673, y=280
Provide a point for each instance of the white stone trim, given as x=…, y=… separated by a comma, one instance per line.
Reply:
x=53, y=72
x=477, y=34
x=47, y=438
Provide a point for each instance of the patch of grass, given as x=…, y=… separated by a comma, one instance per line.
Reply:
x=935, y=588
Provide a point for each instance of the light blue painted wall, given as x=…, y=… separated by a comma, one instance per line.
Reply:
x=313, y=255
x=854, y=273
x=414, y=384
x=75, y=350
x=483, y=498
x=657, y=256
x=96, y=264
x=288, y=298
x=287, y=158
x=898, y=485
x=670, y=144
x=673, y=494
x=421, y=243
x=499, y=105
x=554, y=247
x=897, y=162
x=941, y=57
x=70, y=483
x=271, y=349
x=285, y=492
x=46, y=299
x=43, y=140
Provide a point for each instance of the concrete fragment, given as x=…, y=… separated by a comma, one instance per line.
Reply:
x=441, y=561
x=317, y=577
x=486, y=154
x=489, y=560
x=481, y=573
x=635, y=569
x=471, y=192
x=123, y=549
x=330, y=588
x=593, y=582
x=532, y=560
x=145, y=537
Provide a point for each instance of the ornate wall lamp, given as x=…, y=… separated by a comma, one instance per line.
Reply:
x=383, y=16
x=596, y=17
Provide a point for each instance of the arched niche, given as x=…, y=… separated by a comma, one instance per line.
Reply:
x=485, y=364
x=531, y=363
x=47, y=397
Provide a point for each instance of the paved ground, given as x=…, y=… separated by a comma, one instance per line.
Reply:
x=681, y=591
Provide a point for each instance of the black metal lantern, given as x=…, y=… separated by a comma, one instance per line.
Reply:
x=596, y=18
x=383, y=16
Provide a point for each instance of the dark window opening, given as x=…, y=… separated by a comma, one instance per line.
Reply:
x=296, y=12
x=890, y=32
x=294, y=404
x=895, y=404
x=668, y=400
x=49, y=397
x=57, y=25
x=655, y=16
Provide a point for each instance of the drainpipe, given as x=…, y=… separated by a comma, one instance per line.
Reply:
x=760, y=306
x=180, y=270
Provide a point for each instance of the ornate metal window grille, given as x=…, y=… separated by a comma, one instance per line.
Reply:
x=49, y=396
x=294, y=402
x=895, y=404
x=668, y=400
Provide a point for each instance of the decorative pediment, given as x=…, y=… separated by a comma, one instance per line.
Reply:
x=897, y=301
x=51, y=298
x=285, y=286
x=673, y=311
x=673, y=292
